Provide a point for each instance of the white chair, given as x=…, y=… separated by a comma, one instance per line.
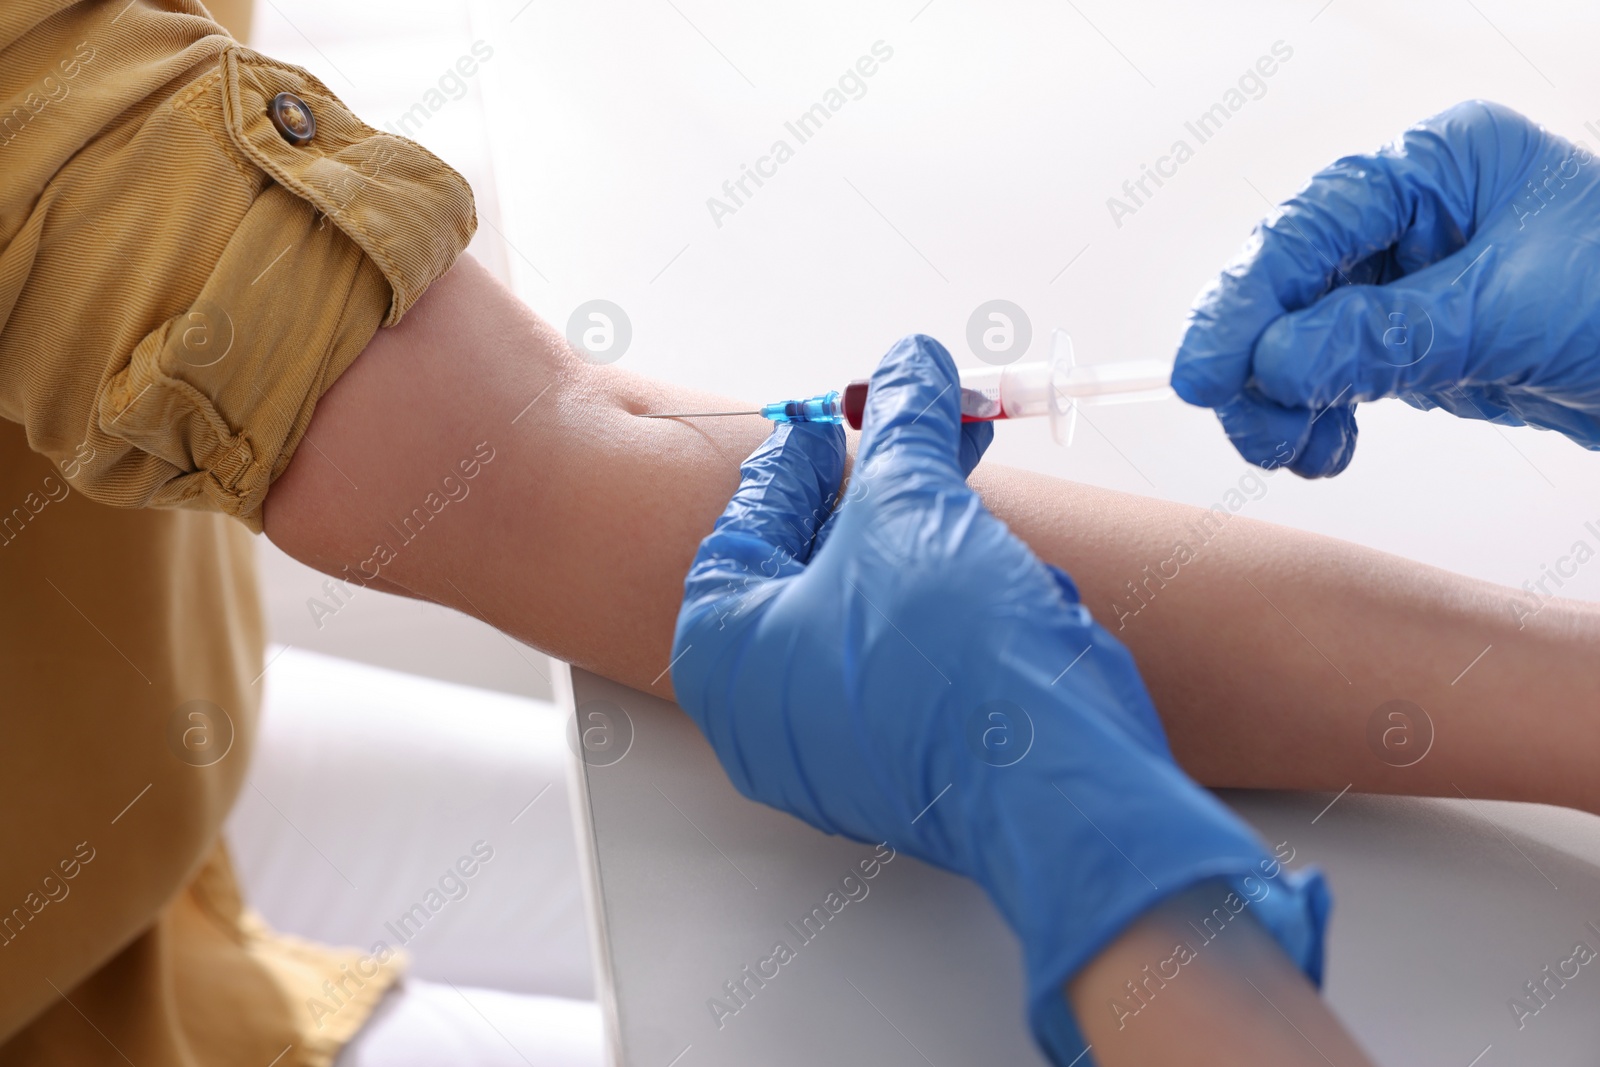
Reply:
x=368, y=789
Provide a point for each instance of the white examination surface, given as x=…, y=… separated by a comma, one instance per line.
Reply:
x=1444, y=909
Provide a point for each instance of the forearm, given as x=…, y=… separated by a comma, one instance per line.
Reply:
x=576, y=536
x=1195, y=981
x=1269, y=652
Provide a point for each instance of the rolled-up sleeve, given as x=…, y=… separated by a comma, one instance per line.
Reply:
x=180, y=281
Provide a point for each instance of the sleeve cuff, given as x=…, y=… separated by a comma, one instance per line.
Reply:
x=174, y=351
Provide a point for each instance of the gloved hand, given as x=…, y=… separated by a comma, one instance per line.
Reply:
x=1454, y=268
x=902, y=667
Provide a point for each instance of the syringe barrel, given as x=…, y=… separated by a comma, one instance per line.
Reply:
x=1014, y=391
x=981, y=399
x=1044, y=387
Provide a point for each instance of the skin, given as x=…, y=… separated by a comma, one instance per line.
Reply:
x=1266, y=654
x=1236, y=1000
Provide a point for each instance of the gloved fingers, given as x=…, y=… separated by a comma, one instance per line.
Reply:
x=1365, y=218
x=1465, y=402
x=1365, y=342
x=1478, y=152
x=1330, y=444
x=1213, y=360
x=1581, y=426
x=975, y=440
x=786, y=492
x=913, y=436
x=1575, y=419
x=1270, y=435
x=1340, y=218
x=1380, y=268
x=1375, y=217
x=1065, y=583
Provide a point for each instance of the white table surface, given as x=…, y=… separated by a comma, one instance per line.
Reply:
x=1443, y=909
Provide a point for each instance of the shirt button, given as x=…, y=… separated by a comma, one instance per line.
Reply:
x=292, y=116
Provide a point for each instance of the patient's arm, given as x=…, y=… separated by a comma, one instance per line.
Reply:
x=1266, y=654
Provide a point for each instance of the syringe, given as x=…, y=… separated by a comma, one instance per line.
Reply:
x=1053, y=387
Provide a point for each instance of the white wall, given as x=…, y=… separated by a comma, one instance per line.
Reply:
x=977, y=165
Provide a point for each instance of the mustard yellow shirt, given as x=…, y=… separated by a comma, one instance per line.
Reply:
x=181, y=279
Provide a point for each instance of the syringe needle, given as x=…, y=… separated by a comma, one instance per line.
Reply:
x=694, y=414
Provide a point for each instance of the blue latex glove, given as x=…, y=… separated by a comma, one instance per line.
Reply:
x=1454, y=268
x=857, y=675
